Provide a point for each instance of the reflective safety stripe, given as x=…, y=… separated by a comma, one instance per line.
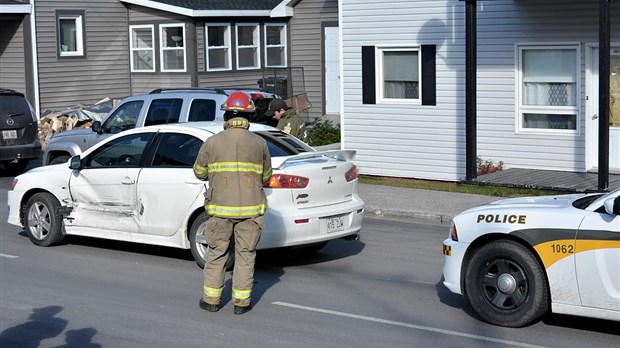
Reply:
x=200, y=170
x=213, y=292
x=241, y=294
x=227, y=211
x=267, y=175
x=218, y=167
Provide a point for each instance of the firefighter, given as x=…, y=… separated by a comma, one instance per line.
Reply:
x=237, y=164
x=288, y=120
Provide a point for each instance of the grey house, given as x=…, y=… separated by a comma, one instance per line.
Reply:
x=82, y=51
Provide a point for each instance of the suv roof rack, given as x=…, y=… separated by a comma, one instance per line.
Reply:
x=189, y=89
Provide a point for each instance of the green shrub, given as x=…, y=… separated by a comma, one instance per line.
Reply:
x=323, y=132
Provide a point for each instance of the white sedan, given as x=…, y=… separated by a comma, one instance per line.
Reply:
x=516, y=259
x=138, y=186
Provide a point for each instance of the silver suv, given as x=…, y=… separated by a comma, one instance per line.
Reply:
x=158, y=107
x=19, y=131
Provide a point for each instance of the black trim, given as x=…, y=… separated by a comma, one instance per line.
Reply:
x=369, y=94
x=429, y=73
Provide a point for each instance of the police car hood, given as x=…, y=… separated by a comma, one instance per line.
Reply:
x=557, y=201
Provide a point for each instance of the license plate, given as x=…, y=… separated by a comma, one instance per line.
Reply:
x=335, y=224
x=9, y=134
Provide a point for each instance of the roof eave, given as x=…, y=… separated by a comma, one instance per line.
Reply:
x=279, y=11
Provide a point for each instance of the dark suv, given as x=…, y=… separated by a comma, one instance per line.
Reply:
x=19, y=139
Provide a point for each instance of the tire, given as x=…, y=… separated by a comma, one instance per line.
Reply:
x=59, y=159
x=43, y=223
x=199, y=247
x=15, y=167
x=506, y=284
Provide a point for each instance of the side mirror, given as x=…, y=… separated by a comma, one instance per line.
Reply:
x=75, y=163
x=96, y=127
x=612, y=205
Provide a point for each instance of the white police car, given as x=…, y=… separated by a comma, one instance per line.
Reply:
x=518, y=258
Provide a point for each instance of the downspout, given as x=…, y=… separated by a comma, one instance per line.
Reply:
x=603, y=95
x=470, y=91
x=35, y=60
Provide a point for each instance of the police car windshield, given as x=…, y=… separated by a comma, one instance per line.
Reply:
x=599, y=201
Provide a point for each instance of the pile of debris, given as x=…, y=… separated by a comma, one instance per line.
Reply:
x=81, y=116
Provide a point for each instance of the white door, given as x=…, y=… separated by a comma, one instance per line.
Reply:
x=597, y=261
x=614, y=107
x=104, y=191
x=332, y=70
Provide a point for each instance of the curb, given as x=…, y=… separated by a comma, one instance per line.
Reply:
x=440, y=219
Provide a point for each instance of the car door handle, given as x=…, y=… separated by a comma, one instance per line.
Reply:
x=194, y=182
x=128, y=181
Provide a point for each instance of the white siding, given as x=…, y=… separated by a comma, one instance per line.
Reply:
x=406, y=140
x=429, y=141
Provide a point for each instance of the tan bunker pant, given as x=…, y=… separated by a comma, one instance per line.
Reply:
x=218, y=234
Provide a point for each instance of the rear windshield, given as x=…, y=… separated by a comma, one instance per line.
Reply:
x=282, y=144
x=14, y=105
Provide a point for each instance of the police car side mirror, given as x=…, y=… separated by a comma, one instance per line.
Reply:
x=612, y=205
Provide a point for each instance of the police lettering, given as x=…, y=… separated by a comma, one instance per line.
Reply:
x=501, y=219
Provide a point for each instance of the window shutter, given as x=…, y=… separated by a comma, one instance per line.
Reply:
x=369, y=94
x=429, y=79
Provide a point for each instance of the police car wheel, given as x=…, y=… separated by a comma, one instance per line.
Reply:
x=199, y=247
x=42, y=220
x=506, y=284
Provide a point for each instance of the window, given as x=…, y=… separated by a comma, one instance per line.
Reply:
x=124, y=152
x=172, y=47
x=399, y=75
x=275, y=45
x=202, y=110
x=248, y=49
x=141, y=45
x=124, y=117
x=218, y=47
x=162, y=111
x=548, y=93
x=177, y=151
x=399, y=78
x=70, y=32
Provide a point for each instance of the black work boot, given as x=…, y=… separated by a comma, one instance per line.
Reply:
x=208, y=307
x=242, y=310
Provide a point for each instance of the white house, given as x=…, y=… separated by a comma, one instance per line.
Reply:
x=403, y=85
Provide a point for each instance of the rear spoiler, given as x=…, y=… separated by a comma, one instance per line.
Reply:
x=341, y=155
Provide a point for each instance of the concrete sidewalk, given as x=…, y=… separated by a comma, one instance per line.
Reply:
x=422, y=205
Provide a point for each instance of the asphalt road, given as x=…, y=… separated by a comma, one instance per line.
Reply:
x=382, y=291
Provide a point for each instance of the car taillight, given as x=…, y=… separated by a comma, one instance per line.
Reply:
x=351, y=174
x=287, y=181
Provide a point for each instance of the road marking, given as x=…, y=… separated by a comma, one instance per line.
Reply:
x=407, y=325
x=9, y=256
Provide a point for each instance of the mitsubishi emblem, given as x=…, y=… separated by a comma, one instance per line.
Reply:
x=329, y=181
